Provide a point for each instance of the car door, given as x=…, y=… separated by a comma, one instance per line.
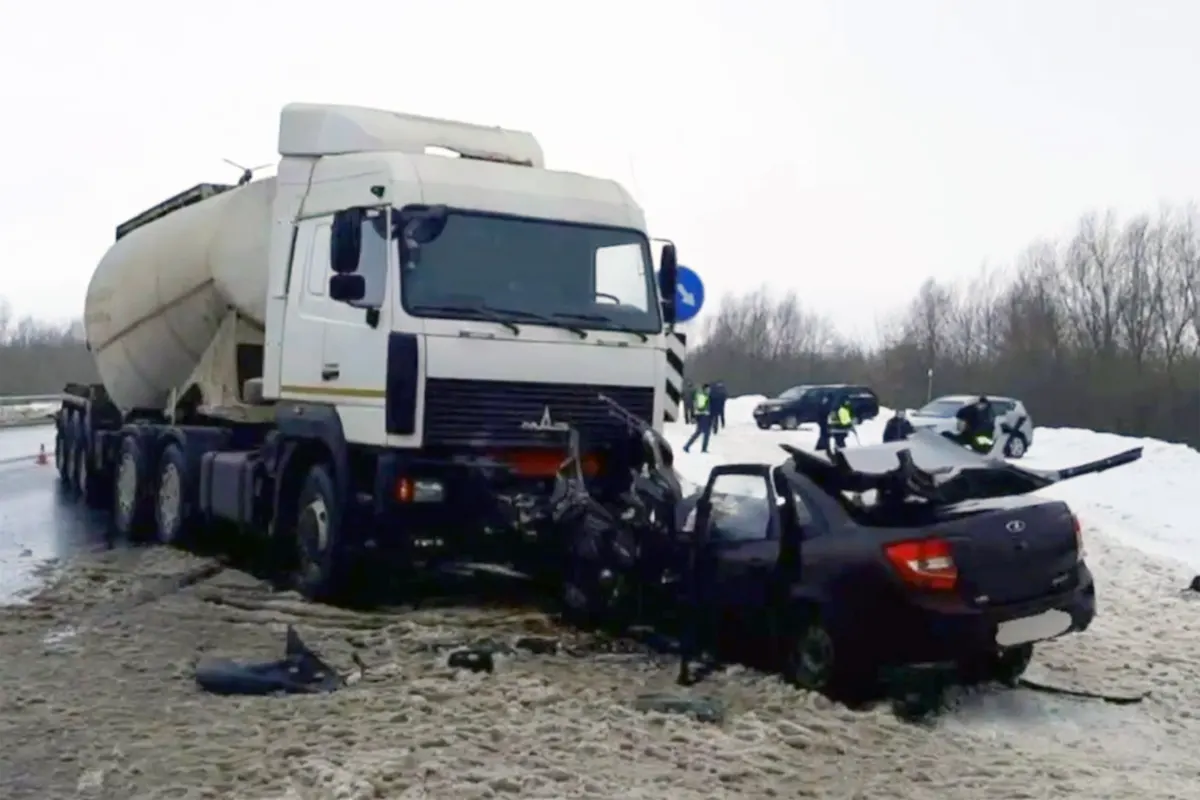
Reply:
x=738, y=532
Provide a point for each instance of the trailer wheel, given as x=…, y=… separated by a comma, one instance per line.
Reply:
x=132, y=512
x=172, y=506
x=62, y=449
x=319, y=550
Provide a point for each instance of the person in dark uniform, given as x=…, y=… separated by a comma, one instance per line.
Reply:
x=717, y=397
x=823, y=411
x=977, y=425
x=898, y=428
x=689, y=415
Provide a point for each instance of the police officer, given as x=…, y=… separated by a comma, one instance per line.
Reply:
x=717, y=397
x=703, y=416
x=689, y=398
x=841, y=420
x=898, y=428
x=977, y=425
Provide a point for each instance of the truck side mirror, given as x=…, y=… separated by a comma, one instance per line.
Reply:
x=347, y=288
x=668, y=276
x=345, y=241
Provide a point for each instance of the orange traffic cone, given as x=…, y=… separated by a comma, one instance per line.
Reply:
x=41, y=458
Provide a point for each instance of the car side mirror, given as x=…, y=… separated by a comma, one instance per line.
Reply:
x=668, y=277
x=347, y=288
x=345, y=240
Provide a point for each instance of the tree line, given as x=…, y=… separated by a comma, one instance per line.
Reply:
x=39, y=357
x=1100, y=330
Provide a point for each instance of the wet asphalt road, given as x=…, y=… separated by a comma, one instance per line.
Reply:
x=37, y=522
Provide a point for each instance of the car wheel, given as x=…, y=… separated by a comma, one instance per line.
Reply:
x=1009, y=664
x=790, y=423
x=811, y=659
x=764, y=425
x=1015, y=447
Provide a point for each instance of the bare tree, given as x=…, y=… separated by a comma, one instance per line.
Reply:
x=1102, y=331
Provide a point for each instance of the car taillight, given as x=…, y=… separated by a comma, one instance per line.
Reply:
x=924, y=563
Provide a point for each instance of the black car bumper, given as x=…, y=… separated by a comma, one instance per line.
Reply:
x=927, y=629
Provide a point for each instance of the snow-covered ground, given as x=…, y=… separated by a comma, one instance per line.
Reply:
x=562, y=727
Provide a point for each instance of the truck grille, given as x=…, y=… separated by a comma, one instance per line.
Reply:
x=468, y=412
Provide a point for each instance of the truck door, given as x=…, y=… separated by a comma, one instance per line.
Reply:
x=333, y=352
x=354, y=348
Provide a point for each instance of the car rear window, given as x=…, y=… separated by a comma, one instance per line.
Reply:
x=941, y=408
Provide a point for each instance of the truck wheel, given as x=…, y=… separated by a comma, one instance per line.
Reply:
x=132, y=513
x=172, y=506
x=62, y=450
x=85, y=480
x=319, y=571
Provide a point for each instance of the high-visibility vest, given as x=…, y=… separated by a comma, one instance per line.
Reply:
x=840, y=417
x=700, y=401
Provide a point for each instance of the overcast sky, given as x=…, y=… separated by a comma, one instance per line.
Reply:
x=848, y=149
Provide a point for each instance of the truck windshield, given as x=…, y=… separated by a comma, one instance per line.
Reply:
x=569, y=275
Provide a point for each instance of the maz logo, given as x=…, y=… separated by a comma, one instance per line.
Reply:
x=546, y=423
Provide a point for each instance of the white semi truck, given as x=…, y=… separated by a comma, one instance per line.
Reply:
x=379, y=349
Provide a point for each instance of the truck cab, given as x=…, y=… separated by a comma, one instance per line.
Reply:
x=448, y=317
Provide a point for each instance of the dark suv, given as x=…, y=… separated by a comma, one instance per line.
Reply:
x=803, y=404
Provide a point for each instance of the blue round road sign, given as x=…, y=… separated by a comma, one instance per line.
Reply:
x=689, y=294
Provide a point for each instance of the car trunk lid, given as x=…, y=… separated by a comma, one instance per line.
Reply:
x=1013, y=554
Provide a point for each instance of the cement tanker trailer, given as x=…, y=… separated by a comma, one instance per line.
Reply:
x=381, y=349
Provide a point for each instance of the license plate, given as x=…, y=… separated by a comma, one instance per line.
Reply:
x=1046, y=625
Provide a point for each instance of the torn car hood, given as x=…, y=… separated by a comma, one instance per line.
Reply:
x=930, y=466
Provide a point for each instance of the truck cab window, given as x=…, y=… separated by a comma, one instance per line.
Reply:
x=373, y=258
x=522, y=266
x=620, y=277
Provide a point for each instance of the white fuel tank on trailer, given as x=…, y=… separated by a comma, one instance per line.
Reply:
x=161, y=291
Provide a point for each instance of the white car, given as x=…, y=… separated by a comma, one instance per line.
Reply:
x=938, y=416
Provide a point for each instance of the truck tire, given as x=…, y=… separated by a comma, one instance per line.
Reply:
x=133, y=513
x=62, y=450
x=320, y=569
x=173, y=519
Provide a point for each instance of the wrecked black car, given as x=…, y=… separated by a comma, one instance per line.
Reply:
x=837, y=567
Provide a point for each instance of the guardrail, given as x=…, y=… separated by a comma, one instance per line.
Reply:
x=28, y=399
x=19, y=411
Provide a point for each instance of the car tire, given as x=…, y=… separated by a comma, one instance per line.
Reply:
x=1009, y=664
x=813, y=662
x=764, y=425
x=1016, y=446
x=790, y=423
